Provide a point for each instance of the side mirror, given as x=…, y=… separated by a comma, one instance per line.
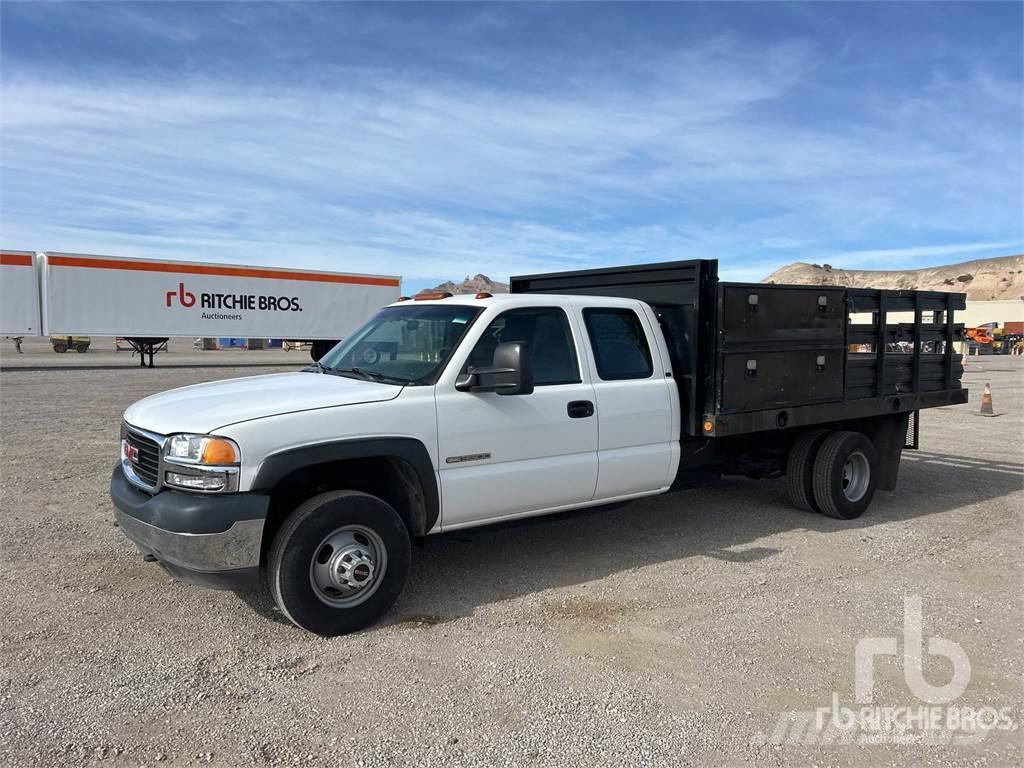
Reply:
x=510, y=373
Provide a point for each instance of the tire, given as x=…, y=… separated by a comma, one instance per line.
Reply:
x=335, y=532
x=845, y=475
x=800, y=469
x=60, y=348
x=320, y=348
x=82, y=348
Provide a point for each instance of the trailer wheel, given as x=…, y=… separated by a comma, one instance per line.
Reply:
x=800, y=469
x=339, y=562
x=320, y=348
x=845, y=475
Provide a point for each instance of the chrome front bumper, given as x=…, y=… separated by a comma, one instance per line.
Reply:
x=206, y=539
x=237, y=547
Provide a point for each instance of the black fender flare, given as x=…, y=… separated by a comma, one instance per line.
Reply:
x=277, y=466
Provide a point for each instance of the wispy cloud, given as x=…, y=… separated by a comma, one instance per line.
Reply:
x=709, y=150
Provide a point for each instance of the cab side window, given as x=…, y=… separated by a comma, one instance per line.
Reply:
x=546, y=332
x=619, y=342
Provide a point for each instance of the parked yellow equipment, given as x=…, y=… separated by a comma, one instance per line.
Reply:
x=64, y=343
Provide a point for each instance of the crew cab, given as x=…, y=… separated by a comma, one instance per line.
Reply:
x=577, y=389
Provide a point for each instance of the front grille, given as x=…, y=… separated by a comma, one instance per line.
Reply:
x=148, y=465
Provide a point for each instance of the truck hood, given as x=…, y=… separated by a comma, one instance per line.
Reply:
x=203, y=408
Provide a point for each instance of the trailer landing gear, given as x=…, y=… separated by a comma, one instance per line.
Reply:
x=144, y=346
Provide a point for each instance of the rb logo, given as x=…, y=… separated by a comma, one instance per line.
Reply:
x=185, y=298
x=913, y=650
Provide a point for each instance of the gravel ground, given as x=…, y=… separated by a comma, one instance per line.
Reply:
x=676, y=630
x=36, y=352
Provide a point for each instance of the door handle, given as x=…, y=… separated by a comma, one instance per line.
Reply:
x=580, y=409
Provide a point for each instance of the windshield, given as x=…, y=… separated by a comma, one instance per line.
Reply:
x=407, y=344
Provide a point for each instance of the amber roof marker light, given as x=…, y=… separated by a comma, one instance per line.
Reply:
x=431, y=295
x=483, y=295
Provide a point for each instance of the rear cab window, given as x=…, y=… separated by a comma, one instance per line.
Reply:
x=619, y=342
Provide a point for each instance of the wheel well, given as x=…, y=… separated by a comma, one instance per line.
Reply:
x=887, y=433
x=387, y=477
x=763, y=454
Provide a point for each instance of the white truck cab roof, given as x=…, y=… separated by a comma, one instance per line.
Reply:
x=513, y=300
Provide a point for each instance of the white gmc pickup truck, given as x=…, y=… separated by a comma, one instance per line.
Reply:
x=444, y=412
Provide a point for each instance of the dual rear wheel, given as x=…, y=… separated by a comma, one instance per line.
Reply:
x=834, y=473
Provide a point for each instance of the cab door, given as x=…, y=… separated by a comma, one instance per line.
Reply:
x=637, y=406
x=504, y=455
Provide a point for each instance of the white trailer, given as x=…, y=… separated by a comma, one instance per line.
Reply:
x=19, y=294
x=148, y=301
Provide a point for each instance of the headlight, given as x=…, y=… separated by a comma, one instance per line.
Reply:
x=202, y=449
x=201, y=463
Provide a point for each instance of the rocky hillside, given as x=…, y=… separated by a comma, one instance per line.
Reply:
x=981, y=279
x=474, y=284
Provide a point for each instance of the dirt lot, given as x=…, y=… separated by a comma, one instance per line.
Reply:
x=103, y=352
x=680, y=630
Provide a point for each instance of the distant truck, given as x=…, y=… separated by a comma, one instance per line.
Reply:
x=577, y=389
x=146, y=301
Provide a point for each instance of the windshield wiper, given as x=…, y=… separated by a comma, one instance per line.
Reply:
x=370, y=375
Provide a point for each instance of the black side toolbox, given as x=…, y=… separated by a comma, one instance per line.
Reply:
x=779, y=346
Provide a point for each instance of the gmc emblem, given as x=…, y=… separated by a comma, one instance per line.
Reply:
x=131, y=453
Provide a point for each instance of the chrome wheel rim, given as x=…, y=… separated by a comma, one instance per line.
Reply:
x=856, y=476
x=348, y=566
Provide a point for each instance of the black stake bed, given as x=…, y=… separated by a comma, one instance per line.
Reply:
x=751, y=357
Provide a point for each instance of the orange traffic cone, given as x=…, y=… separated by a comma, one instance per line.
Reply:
x=986, y=403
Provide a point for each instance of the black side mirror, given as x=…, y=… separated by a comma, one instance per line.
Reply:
x=510, y=373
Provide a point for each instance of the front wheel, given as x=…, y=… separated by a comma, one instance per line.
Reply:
x=845, y=475
x=339, y=562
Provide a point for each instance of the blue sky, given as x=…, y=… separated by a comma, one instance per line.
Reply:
x=435, y=140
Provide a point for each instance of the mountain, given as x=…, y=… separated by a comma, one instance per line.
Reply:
x=981, y=279
x=474, y=284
